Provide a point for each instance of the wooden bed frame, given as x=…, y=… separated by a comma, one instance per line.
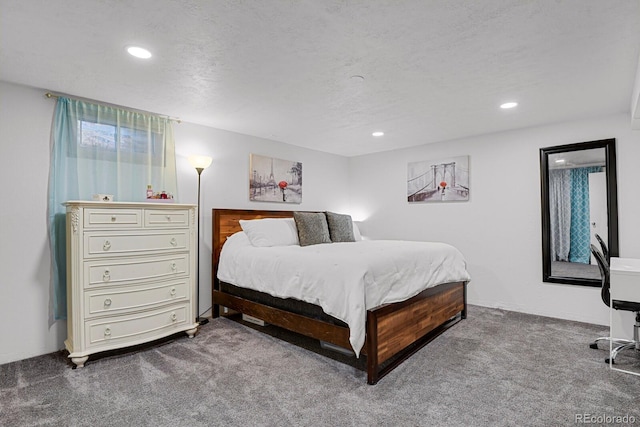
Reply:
x=394, y=331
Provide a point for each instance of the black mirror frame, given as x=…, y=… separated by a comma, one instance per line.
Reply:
x=609, y=146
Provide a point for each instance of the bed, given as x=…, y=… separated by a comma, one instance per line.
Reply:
x=392, y=331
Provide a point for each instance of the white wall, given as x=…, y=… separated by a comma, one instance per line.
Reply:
x=26, y=325
x=26, y=328
x=499, y=228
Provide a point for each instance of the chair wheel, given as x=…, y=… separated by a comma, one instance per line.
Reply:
x=593, y=345
x=613, y=362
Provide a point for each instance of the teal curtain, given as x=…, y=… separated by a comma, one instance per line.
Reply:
x=580, y=227
x=98, y=149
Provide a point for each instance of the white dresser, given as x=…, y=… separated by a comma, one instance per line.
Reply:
x=131, y=274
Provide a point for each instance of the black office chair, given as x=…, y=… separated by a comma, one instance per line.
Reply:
x=603, y=246
x=619, y=344
x=603, y=264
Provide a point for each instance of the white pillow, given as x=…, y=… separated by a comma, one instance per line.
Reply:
x=356, y=232
x=271, y=231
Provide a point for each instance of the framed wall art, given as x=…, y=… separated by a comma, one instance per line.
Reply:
x=440, y=180
x=274, y=180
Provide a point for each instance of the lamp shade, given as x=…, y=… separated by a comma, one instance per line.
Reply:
x=200, y=162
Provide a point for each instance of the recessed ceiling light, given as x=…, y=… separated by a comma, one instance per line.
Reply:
x=139, y=52
x=559, y=160
x=508, y=105
x=378, y=133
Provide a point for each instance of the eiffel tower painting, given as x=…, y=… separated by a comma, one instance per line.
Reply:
x=274, y=180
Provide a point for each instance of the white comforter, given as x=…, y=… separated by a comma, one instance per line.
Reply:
x=345, y=279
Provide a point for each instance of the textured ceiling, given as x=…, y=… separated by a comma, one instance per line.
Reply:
x=282, y=70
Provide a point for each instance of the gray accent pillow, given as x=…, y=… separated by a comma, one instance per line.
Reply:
x=340, y=227
x=312, y=228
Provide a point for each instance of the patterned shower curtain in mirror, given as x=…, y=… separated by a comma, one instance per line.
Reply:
x=99, y=149
x=580, y=226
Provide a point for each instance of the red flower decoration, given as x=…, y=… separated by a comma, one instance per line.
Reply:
x=282, y=184
x=443, y=184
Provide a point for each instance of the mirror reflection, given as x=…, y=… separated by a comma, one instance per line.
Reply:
x=579, y=210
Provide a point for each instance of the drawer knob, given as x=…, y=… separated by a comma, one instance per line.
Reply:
x=173, y=291
x=173, y=266
x=107, y=331
x=169, y=218
x=106, y=276
x=174, y=317
x=107, y=302
x=113, y=218
x=107, y=245
x=173, y=241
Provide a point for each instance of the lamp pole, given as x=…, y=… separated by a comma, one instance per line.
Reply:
x=200, y=163
x=200, y=320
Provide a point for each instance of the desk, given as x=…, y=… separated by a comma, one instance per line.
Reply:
x=624, y=286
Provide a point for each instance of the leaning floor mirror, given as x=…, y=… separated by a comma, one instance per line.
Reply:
x=579, y=208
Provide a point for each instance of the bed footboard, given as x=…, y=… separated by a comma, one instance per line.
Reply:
x=396, y=331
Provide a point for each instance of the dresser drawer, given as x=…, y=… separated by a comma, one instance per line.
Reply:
x=136, y=328
x=112, y=218
x=119, y=300
x=124, y=271
x=166, y=218
x=134, y=243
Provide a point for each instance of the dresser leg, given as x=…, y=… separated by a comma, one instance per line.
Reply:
x=191, y=332
x=79, y=361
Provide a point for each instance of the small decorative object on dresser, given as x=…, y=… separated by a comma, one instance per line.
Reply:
x=130, y=274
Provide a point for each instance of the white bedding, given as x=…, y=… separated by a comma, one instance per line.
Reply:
x=345, y=279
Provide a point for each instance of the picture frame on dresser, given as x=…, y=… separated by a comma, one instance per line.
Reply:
x=130, y=274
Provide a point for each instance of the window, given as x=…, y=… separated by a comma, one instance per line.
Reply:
x=119, y=143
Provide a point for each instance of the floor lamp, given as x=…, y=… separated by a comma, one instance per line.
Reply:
x=200, y=163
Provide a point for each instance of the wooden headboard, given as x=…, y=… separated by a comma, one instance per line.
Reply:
x=227, y=221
